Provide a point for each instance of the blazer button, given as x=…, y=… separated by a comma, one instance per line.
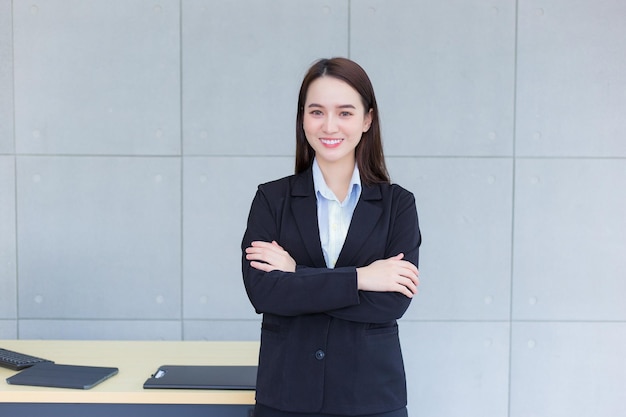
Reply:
x=319, y=355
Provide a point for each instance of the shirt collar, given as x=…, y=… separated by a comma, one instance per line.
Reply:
x=322, y=189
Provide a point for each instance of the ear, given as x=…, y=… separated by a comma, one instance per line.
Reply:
x=367, y=120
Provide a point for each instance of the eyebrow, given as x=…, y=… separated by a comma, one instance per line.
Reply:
x=343, y=106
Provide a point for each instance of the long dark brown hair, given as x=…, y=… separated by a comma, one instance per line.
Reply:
x=369, y=152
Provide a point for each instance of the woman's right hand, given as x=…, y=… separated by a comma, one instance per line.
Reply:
x=389, y=275
x=270, y=256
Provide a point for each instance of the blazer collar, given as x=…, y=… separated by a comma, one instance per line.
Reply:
x=364, y=219
x=304, y=206
x=366, y=214
x=303, y=187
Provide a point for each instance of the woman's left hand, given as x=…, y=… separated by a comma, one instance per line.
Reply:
x=266, y=256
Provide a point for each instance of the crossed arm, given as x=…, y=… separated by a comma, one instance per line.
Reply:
x=377, y=291
x=385, y=275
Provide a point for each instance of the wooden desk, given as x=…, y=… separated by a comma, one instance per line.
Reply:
x=123, y=394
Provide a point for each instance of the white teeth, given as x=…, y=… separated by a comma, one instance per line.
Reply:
x=331, y=141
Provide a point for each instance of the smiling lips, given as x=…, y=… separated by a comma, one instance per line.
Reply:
x=331, y=143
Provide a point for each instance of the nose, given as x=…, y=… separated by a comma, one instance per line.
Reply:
x=330, y=124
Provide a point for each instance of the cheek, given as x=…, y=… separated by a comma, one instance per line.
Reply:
x=309, y=124
x=308, y=130
x=358, y=129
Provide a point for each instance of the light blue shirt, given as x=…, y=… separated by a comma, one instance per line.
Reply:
x=334, y=216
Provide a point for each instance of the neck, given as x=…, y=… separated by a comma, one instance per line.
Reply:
x=337, y=177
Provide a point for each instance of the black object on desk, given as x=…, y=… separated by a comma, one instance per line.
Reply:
x=47, y=374
x=203, y=377
x=17, y=360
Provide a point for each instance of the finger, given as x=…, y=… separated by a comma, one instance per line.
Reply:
x=267, y=258
x=256, y=249
x=260, y=254
x=275, y=244
x=409, y=284
x=272, y=247
x=262, y=244
x=406, y=268
x=252, y=249
x=254, y=257
x=413, y=278
x=409, y=266
x=261, y=266
x=404, y=291
x=263, y=252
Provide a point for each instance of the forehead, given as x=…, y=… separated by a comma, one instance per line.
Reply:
x=330, y=91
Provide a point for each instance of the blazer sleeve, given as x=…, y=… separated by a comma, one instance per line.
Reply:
x=306, y=291
x=404, y=236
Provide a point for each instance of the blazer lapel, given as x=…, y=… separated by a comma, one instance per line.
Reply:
x=304, y=207
x=366, y=214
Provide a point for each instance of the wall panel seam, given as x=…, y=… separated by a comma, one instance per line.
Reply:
x=182, y=171
x=513, y=182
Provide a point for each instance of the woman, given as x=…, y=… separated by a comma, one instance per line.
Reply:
x=330, y=259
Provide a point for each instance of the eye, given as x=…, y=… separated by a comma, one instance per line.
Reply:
x=315, y=113
x=345, y=114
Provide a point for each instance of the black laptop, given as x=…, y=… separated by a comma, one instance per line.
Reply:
x=203, y=377
x=48, y=374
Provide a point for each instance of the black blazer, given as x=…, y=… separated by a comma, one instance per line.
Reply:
x=325, y=346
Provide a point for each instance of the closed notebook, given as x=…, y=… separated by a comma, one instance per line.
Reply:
x=48, y=374
x=203, y=377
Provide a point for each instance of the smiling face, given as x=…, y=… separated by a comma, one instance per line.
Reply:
x=334, y=120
